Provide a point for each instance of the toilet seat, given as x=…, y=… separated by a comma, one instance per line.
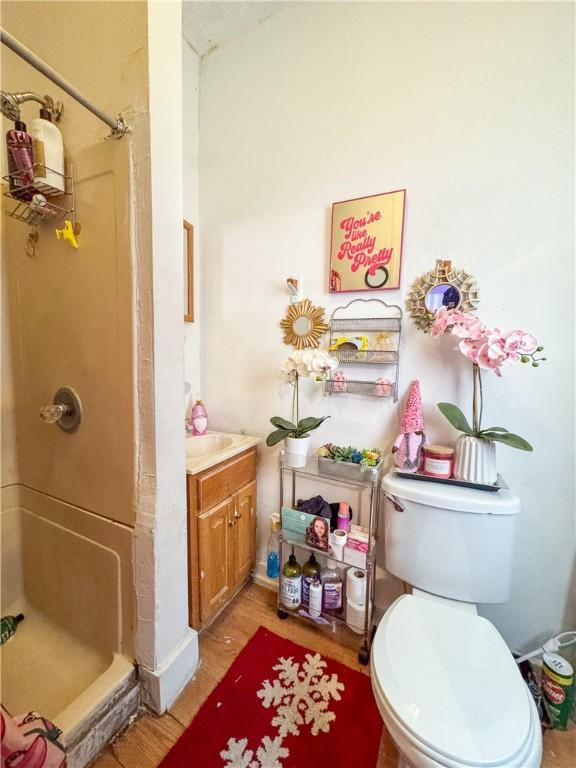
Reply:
x=451, y=686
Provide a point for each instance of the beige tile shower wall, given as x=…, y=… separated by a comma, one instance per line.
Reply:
x=71, y=311
x=71, y=565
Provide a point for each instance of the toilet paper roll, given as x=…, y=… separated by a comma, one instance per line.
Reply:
x=355, y=616
x=356, y=585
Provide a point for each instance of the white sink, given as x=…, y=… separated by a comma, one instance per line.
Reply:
x=204, y=451
x=198, y=446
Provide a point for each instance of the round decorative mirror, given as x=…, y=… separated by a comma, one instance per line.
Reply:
x=303, y=325
x=441, y=287
x=443, y=295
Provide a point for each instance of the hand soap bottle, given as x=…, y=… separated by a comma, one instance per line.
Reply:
x=199, y=419
x=48, y=152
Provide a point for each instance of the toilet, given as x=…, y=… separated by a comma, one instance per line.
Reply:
x=446, y=684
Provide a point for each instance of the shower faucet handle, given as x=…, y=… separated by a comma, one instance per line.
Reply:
x=65, y=410
x=50, y=414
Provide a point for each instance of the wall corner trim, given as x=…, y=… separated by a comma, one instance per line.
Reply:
x=161, y=687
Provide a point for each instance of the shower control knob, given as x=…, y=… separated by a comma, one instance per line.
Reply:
x=65, y=410
x=50, y=414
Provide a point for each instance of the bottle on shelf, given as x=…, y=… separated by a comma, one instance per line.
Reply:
x=315, y=598
x=310, y=570
x=344, y=516
x=333, y=589
x=273, y=556
x=291, y=584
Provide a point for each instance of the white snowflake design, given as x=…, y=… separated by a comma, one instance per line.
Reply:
x=268, y=754
x=301, y=695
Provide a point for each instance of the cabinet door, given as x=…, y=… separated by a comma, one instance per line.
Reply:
x=244, y=531
x=214, y=545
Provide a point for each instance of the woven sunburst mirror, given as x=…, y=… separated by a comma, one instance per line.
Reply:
x=443, y=286
x=303, y=325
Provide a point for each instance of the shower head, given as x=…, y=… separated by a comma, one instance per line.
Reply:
x=10, y=104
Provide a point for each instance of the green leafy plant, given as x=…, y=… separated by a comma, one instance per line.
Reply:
x=286, y=428
x=497, y=434
x=351, y=455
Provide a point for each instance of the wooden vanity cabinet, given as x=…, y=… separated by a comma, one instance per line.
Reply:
x=221, y=534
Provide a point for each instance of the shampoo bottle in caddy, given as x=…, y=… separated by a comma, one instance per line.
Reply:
x=48, y=152
x=20, y=162
x=291, y=584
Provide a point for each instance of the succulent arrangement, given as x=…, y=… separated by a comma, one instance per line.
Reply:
x=351, y=455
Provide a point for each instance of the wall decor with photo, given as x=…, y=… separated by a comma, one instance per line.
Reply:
x=366, y=246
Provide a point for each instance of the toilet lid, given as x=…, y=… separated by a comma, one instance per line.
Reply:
x=451, y=681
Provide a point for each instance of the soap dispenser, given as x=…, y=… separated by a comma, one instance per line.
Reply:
x=48, y=152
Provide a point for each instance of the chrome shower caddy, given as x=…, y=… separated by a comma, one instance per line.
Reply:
x=366, y=483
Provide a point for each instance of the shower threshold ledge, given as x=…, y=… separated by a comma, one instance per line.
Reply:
x=89, y=694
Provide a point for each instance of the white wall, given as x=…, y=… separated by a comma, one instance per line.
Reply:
x=167, y=648
x=190, y=140
x=470, y=108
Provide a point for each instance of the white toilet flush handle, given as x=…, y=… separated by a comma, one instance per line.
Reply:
x=394, y=501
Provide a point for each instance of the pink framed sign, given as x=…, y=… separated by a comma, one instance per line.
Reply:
x=366, y=247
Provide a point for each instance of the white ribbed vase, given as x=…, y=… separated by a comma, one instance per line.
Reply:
x=296, y=453
x=475, y=460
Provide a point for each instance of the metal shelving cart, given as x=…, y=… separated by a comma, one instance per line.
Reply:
x=363, y=483
x=382, y=325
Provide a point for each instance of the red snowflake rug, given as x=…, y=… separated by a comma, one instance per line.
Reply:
x=281, y=705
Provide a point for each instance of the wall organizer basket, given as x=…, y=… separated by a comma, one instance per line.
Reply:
x=381, y=323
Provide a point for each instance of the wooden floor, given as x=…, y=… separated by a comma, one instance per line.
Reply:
x=146, y=742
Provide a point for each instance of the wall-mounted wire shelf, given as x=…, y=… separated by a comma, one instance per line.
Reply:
x=382, y=324
x=366, y=323
x=367, y=356
x=353, y=387
x=36, y=202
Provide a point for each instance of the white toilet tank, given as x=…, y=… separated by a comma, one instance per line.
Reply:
x=450, y=541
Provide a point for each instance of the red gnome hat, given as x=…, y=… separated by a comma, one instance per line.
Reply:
x=412, y=420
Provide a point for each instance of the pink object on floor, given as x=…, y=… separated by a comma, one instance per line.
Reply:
x=30, y=741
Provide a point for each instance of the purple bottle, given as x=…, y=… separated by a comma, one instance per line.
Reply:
x=199, y=419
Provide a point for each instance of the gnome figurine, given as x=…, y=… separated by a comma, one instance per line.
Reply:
x=407, y=448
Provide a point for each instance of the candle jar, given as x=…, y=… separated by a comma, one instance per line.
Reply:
x=438, y=461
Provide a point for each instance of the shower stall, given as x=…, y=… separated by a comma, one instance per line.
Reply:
x=68, y=496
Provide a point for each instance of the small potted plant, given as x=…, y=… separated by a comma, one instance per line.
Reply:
x=489, y=349
x=349, y=461
x=313, y=364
